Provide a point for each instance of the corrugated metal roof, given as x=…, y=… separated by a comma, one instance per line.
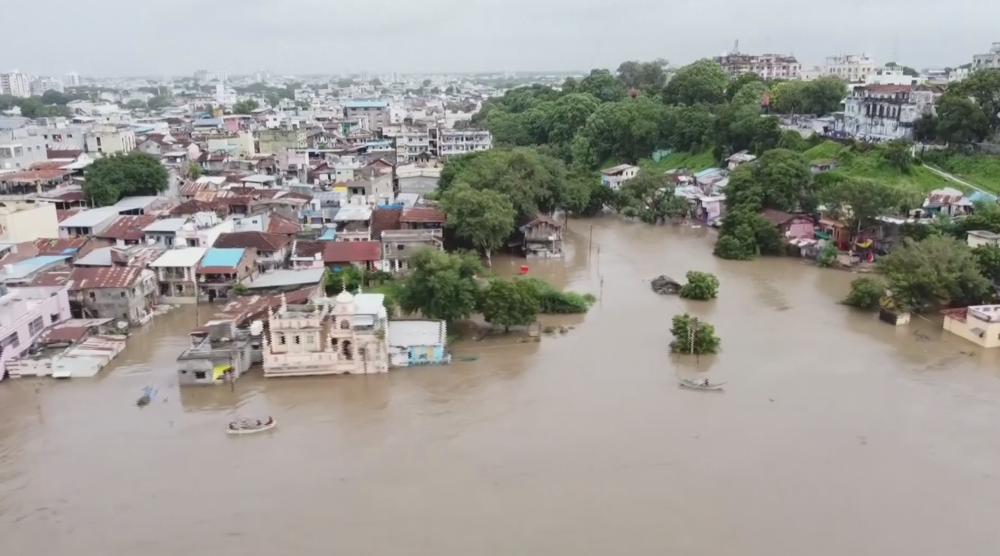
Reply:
x=104, y=277
x=365, y=104
x=280, y=278
x=89, y=218
x=180, y=258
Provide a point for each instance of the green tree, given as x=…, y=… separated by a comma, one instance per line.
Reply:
x=824, y=95
x=245, y=106
x=701, y=82
x=702, y=341
x=567, y=115
x=984, y=88
x=158, y=102
x=603, y=86
x=866, y=293
x=827, y=255
x=569, y=86
x=932, y=273
x=194, y=170
x=898, y=154
x=649, y=196
x=859, y=202
x=449, y=90
x=988, y=261
x=508, y=303
x=747, y=235
x=585, y=195
x=135, y=104
x=55, y=97
x=484, y=218
x=960, y=120
x=780, y=179
x=441, y=285
x=644, y=76
x=737, y=84
x=426, y=83
x=790, y=97
x=109, y=179
x=701, y=286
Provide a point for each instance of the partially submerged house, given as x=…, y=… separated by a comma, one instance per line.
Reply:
x=417, y=342
x=790, y=226
x=219, y=353
x=118, y=292
x=221, y=269
x=539, y=237
x=176, y=273
x=615, y=176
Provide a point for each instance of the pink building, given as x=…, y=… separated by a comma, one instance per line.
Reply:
x=24, y=314
x=791, y=226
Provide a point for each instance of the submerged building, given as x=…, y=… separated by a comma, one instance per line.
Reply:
x=344, y=335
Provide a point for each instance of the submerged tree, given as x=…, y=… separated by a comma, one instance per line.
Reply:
x=692, y=335
x=508, y=303
x=701, y=286
x=866, y=293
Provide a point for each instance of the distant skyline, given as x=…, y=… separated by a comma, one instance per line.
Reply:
x=117, y=38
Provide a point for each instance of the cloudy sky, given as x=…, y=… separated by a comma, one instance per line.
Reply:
x=177, y=37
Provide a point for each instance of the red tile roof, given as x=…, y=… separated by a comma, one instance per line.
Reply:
x=351, y=251
x=35, y=175
x=307, y=249
x=66, y=197
x=421, y=215
x=91, y=278
x=777, y=217
x=278, y=224
x=260, y=241
x=127, y=227
x=248, y=307
x=385, y=219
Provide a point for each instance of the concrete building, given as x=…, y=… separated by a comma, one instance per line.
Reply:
x=19, y=149
x=16, y=84
x=222, y=268
x=410, y=142
x=346, y=335
x=72, y=79
x=979, y=324
x=219, y=352
x=116, y=292
x=42, y=84
x=418, y=342
x=176, y=272
x=24, y=314
x=891, y=76
x=202, y=229
x=88, y=223
x=111, y=138
x=274, y=141
x=885, y=112
x=22, y=221
x=990, y=60
x=767, y=66
x=419, y=178
x=62, y=136
x=445, y=142
x=374, y=112
x=399, y=246
x=616, y=175
x=852, y=68
x=975, y=238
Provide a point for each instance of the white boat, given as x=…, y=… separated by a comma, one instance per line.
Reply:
x=701, y=384
x=246, y=426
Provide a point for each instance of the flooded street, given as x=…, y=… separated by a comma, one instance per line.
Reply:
x=836, y=435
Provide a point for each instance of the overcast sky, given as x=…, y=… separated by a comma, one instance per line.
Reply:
x=177, y=37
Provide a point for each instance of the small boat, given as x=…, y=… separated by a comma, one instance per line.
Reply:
x=701, y=384
x=247, y=426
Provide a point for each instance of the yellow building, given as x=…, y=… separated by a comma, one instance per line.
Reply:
x=979, y=324
x=22, y=221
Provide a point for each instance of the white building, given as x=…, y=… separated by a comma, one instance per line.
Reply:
x=72, y=79
x=885, y=112
x=614, y=177
x=16, y=84
x=853, y=68
x=109, y=139
x=42, y=84
x=767, y=66
x=990, y=60
x=891, y=76
x=445, y=142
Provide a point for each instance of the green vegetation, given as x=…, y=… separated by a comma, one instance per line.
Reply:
x=508, y=303
x=554, y=302
x=245, y=106
x=649, y=196
x=481, y=217
x=696, y=162
x=933, y=273
x=109, y=179
x=700, y=286
x=979, y=169
x=866, y=293
x=704, y=342
x=872, y=164
x=827, y=255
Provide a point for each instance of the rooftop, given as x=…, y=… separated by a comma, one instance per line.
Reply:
x=419, y=215
x=127, y=227
x=180, y=258
x=261, y=241
x=283, y=278
x=351, y=251
x=365, y=104
x=166, y=225
x=353, y=214
x=104, y=277
x=222, y=257
x=89, y=218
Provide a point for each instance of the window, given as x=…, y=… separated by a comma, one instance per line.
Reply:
x=36, y=326
x=297, y=339
x=10, y=341
x=281, y=339
x=345, y=324
x=18, y=151
x=54, y=318
x=200, y=375
x=123, y=294
x=93, y=296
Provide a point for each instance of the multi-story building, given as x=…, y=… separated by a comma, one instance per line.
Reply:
x=990, y=60
x=375, y=112
x=22, y=221
x=346, y=335
x=72, y=79
x=885, y=112
x=24, y=314
x=42, y=84
x=115, y=292
x=853, y=68
x=767, y=66
x=16, y=84
x=62, y=136
x=110, y=139
x=19, y=149
x=274, y=141
x=410, y=142
x=446, y=142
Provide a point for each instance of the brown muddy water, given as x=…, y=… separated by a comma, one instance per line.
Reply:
x=836, y=435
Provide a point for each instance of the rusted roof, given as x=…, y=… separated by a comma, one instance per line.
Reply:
x=62, y=246
x=777, y=217
x=47, y=165
x=351, y=251
x=63, y=334
x=538, y=219
x=421, y=215
x=194, y=206
x=63, y=153
x=35, y=175
x=93, y=278
x=127, y=227
x=64, y=214
x=385, y=219
x=190, y=189
x=250, y=307
x=960, y=315
x=308, y=249
x=52, y=278
x=66, y=196
x=260, y=241
x=278, y=224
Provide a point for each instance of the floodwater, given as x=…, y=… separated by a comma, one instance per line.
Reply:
x=836, y=435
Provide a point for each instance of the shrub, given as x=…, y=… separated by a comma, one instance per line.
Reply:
x=827, y=255
x=554, y=302
x=701, y=286
x=705, y=340
x=866, y=293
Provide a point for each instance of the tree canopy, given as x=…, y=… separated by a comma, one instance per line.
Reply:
x=702, y=82
x=109, y=179
x=933, y=273
x=531, y=182
x=245, y=106
x=508, y=303
x=482, y=217
x=441, y=285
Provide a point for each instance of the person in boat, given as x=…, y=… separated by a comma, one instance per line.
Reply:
x=705, y=382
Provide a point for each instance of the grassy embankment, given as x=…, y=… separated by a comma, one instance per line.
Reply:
x=978, y=169
x=870, y=165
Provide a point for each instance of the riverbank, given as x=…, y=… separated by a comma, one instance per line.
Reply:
x=892, y=440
